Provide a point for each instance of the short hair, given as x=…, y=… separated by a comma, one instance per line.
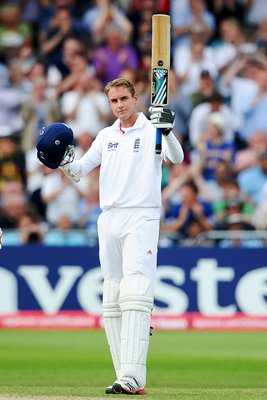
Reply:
x=120, y=82
x=191, y=185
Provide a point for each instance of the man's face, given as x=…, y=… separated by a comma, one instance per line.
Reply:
x=122, y=102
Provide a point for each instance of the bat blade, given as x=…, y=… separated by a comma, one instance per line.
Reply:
x=160, y=65
x=159, y=95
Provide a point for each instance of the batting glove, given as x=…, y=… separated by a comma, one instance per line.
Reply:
x=68, y=156
x=163, y=118
x=69, y=173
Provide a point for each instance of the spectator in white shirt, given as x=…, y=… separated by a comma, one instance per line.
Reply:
x=200, y=115
x=86, y=100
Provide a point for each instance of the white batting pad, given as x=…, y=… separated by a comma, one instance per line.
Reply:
x=112, y=320
x=136, y=302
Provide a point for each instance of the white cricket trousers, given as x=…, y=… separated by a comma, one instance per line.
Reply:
x=128, y=242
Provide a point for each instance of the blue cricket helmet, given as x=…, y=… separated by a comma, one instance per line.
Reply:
x=52, y=144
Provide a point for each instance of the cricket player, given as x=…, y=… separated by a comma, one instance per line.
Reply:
x=128, y=227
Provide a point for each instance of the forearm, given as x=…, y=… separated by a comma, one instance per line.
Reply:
x=174, y=151
x=50, y=44
x=48, y=198
x=204, y=222
x=173, y=226
x=182, y=30
x=123, y=23
x=173, y=186
x=78, y=169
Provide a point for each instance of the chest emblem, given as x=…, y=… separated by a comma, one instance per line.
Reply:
x=136, y=146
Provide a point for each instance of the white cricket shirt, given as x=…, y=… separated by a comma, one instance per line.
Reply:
x=130, y=172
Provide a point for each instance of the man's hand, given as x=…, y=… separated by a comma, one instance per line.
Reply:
x=70, y=174
x=163, y=118
x=68, y=156
x=65, y=164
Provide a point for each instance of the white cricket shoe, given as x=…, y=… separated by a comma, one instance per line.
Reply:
x=128, y=385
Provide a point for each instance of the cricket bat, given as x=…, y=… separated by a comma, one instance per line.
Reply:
x=160, y=65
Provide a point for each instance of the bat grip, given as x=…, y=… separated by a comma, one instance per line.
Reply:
x=158, y=140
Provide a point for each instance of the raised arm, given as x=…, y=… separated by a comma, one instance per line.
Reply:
x=164, y=118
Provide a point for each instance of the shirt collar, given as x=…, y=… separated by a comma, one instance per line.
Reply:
x=139, y=123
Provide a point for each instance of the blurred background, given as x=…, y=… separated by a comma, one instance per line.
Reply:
x=55, y=59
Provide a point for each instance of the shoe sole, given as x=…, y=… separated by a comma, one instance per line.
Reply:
x=120, y=389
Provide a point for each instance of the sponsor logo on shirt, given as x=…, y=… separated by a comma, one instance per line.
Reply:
x=112, y=146
x=136, y=147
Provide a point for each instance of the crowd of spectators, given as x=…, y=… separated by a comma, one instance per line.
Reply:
x=55, y=59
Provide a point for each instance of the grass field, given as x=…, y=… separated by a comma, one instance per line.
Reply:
x=181, y=365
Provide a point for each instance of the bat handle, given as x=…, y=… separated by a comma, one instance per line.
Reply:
x=158, y=140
